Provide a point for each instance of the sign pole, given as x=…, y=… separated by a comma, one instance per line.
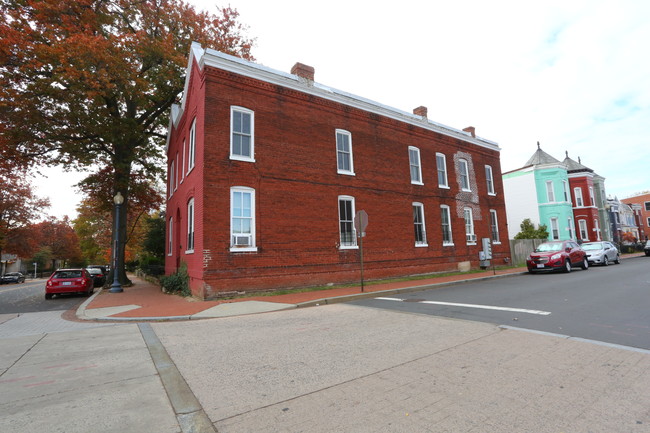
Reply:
x=361, y=258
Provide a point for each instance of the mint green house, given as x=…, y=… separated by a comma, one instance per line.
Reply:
x=539, y=191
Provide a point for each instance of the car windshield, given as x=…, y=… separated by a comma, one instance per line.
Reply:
x=67, y=274
x=593, y=246
x=95, y=271
x=12, y=274
x=549, y=247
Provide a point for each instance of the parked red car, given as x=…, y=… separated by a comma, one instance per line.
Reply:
x=69, y=281
x=557, y=255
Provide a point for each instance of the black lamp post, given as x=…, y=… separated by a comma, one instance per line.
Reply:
x=117, y=287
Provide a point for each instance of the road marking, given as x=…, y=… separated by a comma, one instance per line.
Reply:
x=484, y=307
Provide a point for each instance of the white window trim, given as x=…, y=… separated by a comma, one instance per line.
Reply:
x=444, y=164
x=183, y=160
x=567, y=194
x=191, y=157
x=419, y=165
x=176, y=173
x=251, y=158
x=471, y=231
x=557, y=229
x=424, y=226
x=451, y=232
x=577, y=191
x=336, y=139
x=490, y=180
x=463, y=168
x=570, y=228
x=597, y=229
x=581, y=223
x=253, y=247
x=550, y=193
x=190, y=226
x=648, y=221
x=592, y=197
x=172, y=170
x=496, y=224
x=354, y=231
x=170, y=240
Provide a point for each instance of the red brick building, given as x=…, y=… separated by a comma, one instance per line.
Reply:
x=583, y=196
x=267, y=170
x=642, y=200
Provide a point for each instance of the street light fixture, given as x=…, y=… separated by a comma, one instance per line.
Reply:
x=117, y=287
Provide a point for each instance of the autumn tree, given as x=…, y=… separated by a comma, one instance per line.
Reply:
x=90, y=82
x=19, y=207
x=58, y=236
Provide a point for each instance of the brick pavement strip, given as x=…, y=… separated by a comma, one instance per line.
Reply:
x=344, y=368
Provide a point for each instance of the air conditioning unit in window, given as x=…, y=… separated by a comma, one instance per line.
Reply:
x=471, y=238
x=242, y=241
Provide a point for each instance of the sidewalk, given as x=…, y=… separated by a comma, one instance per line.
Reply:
x=145, y=301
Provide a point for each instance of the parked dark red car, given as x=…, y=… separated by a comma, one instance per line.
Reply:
x=557, y=255
x=69, y=281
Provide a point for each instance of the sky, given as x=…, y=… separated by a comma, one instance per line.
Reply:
x=573, y=75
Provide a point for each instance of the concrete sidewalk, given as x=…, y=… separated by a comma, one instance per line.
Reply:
x=145, y=301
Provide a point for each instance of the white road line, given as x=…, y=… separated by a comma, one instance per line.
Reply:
x=484, y=307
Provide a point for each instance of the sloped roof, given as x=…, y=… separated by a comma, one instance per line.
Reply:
x=541, y=157
x=575, y=167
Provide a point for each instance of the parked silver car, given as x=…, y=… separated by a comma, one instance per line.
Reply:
x=601, y=253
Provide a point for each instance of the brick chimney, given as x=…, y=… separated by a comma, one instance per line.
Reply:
x=420, y=111
x=471, y=130
x=303, y=71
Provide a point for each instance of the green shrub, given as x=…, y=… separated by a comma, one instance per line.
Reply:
x=178, y=282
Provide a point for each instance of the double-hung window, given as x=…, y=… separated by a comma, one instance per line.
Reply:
x=441, y=164
x=418, y=225
x=346, y=222
x=170, y=234
x=414, y=162
x=463, y=172
x=646, y=204
x=578, y=193
x=242, y=219
x=191, y=157
x=190, y=226
x=445, y=219
x=489, y=180
x=172, y=171
x=565, y=188
x=591, y=196
x=597, y=228
x=183, y=160
x=469, y=226
x=555, y=230
x=242, y=134
x=344, y=160
x=584, y=234
x=494, y=227
x=570, y=227
x=550, y=192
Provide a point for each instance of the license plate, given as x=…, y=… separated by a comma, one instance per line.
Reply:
x=539, y=265
x=66, y=283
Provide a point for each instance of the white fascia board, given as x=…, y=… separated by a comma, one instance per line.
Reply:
x=174, y=118
x=581, y=174
x=219, y=60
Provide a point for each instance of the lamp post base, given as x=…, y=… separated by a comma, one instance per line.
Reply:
x=116, y=288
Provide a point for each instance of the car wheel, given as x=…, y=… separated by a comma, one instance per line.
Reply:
x=567, y=266
x=48, y=296
x=585, y=264
x=617, y=260
x=606, y=261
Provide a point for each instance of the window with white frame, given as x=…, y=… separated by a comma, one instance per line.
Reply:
x=597, y=228
x=441, y=164
x=445, y=219
x=172, y=171
x=242, y=134
x=347, y=233
x=494, y=227
x=192, y=150
x=190, y=226
x=418, y=225
x=469, y=226
x=648, y=221
x=414, y=162
x=550, y=192
x=578, y=194
x=242, y=219
x=591, y=196
x=344, y=159
x=490, y=180
x=170, y=234
x=582, y=225
x=176, y=173
x=183, y=160
x=463, y=170
x=555, y=230
x=570, y=227
x=565, y=188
